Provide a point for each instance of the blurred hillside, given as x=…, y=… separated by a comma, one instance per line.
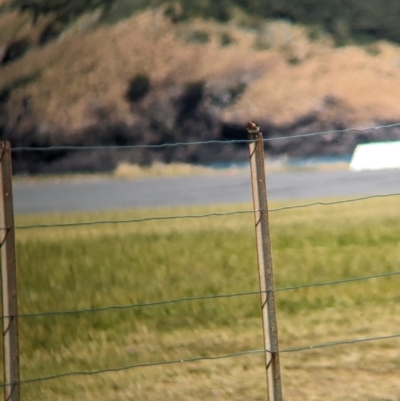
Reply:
x=111, y=72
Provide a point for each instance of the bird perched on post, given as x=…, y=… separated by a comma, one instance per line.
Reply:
x=252, y=128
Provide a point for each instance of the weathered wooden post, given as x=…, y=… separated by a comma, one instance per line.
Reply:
x=267, y=289
x=8, y=279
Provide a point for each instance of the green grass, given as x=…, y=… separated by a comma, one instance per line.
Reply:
x=120, y=264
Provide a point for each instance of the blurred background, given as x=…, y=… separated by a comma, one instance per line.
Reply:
x=116, y=275
x=128, y=72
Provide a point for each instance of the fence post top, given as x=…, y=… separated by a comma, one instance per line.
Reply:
x=5, y=145
x=252, y=127
x=253, y=130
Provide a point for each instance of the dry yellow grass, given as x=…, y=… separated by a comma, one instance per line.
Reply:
x=288, y=73
x=357, y=372
x=364, y=81
x=126, y=170
x=91, y=69
x=15, y=25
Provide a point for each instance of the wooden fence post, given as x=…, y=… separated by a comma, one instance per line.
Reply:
x=8, y=279
x=270, y=328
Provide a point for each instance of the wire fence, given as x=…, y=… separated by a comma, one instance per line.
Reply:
x=200, y=216
x=206, y=296
x=206, y=358
x=208, y=142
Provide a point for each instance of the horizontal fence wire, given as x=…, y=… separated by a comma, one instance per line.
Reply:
x=363, y=198
x=337, y=282
x=196, y=216
x=127, y=147
x=138, y=220
x=341, y=342
x=334, y=131
x=205, y=297
x=203, y=358
x=209, y=142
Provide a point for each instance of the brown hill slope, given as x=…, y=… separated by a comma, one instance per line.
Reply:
x=206, y=80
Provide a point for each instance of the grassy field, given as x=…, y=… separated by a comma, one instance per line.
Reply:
x=93, y=266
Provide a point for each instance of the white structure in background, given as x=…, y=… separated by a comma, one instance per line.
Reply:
x=376, y=156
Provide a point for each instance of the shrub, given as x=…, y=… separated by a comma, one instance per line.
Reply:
x=191, y=98
x=226, y=39
x=199, y=37
x=51, y=31
x=15, y=50
x=138, y=88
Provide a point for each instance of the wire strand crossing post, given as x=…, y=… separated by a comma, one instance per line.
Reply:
x=264, y=256
x=8, y=279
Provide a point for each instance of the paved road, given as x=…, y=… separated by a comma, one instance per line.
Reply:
x=199, y=190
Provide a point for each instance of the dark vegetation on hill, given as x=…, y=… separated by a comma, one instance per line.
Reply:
x=344, y=19
x=175, y=109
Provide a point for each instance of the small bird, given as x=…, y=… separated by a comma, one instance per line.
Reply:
x=252, y=127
